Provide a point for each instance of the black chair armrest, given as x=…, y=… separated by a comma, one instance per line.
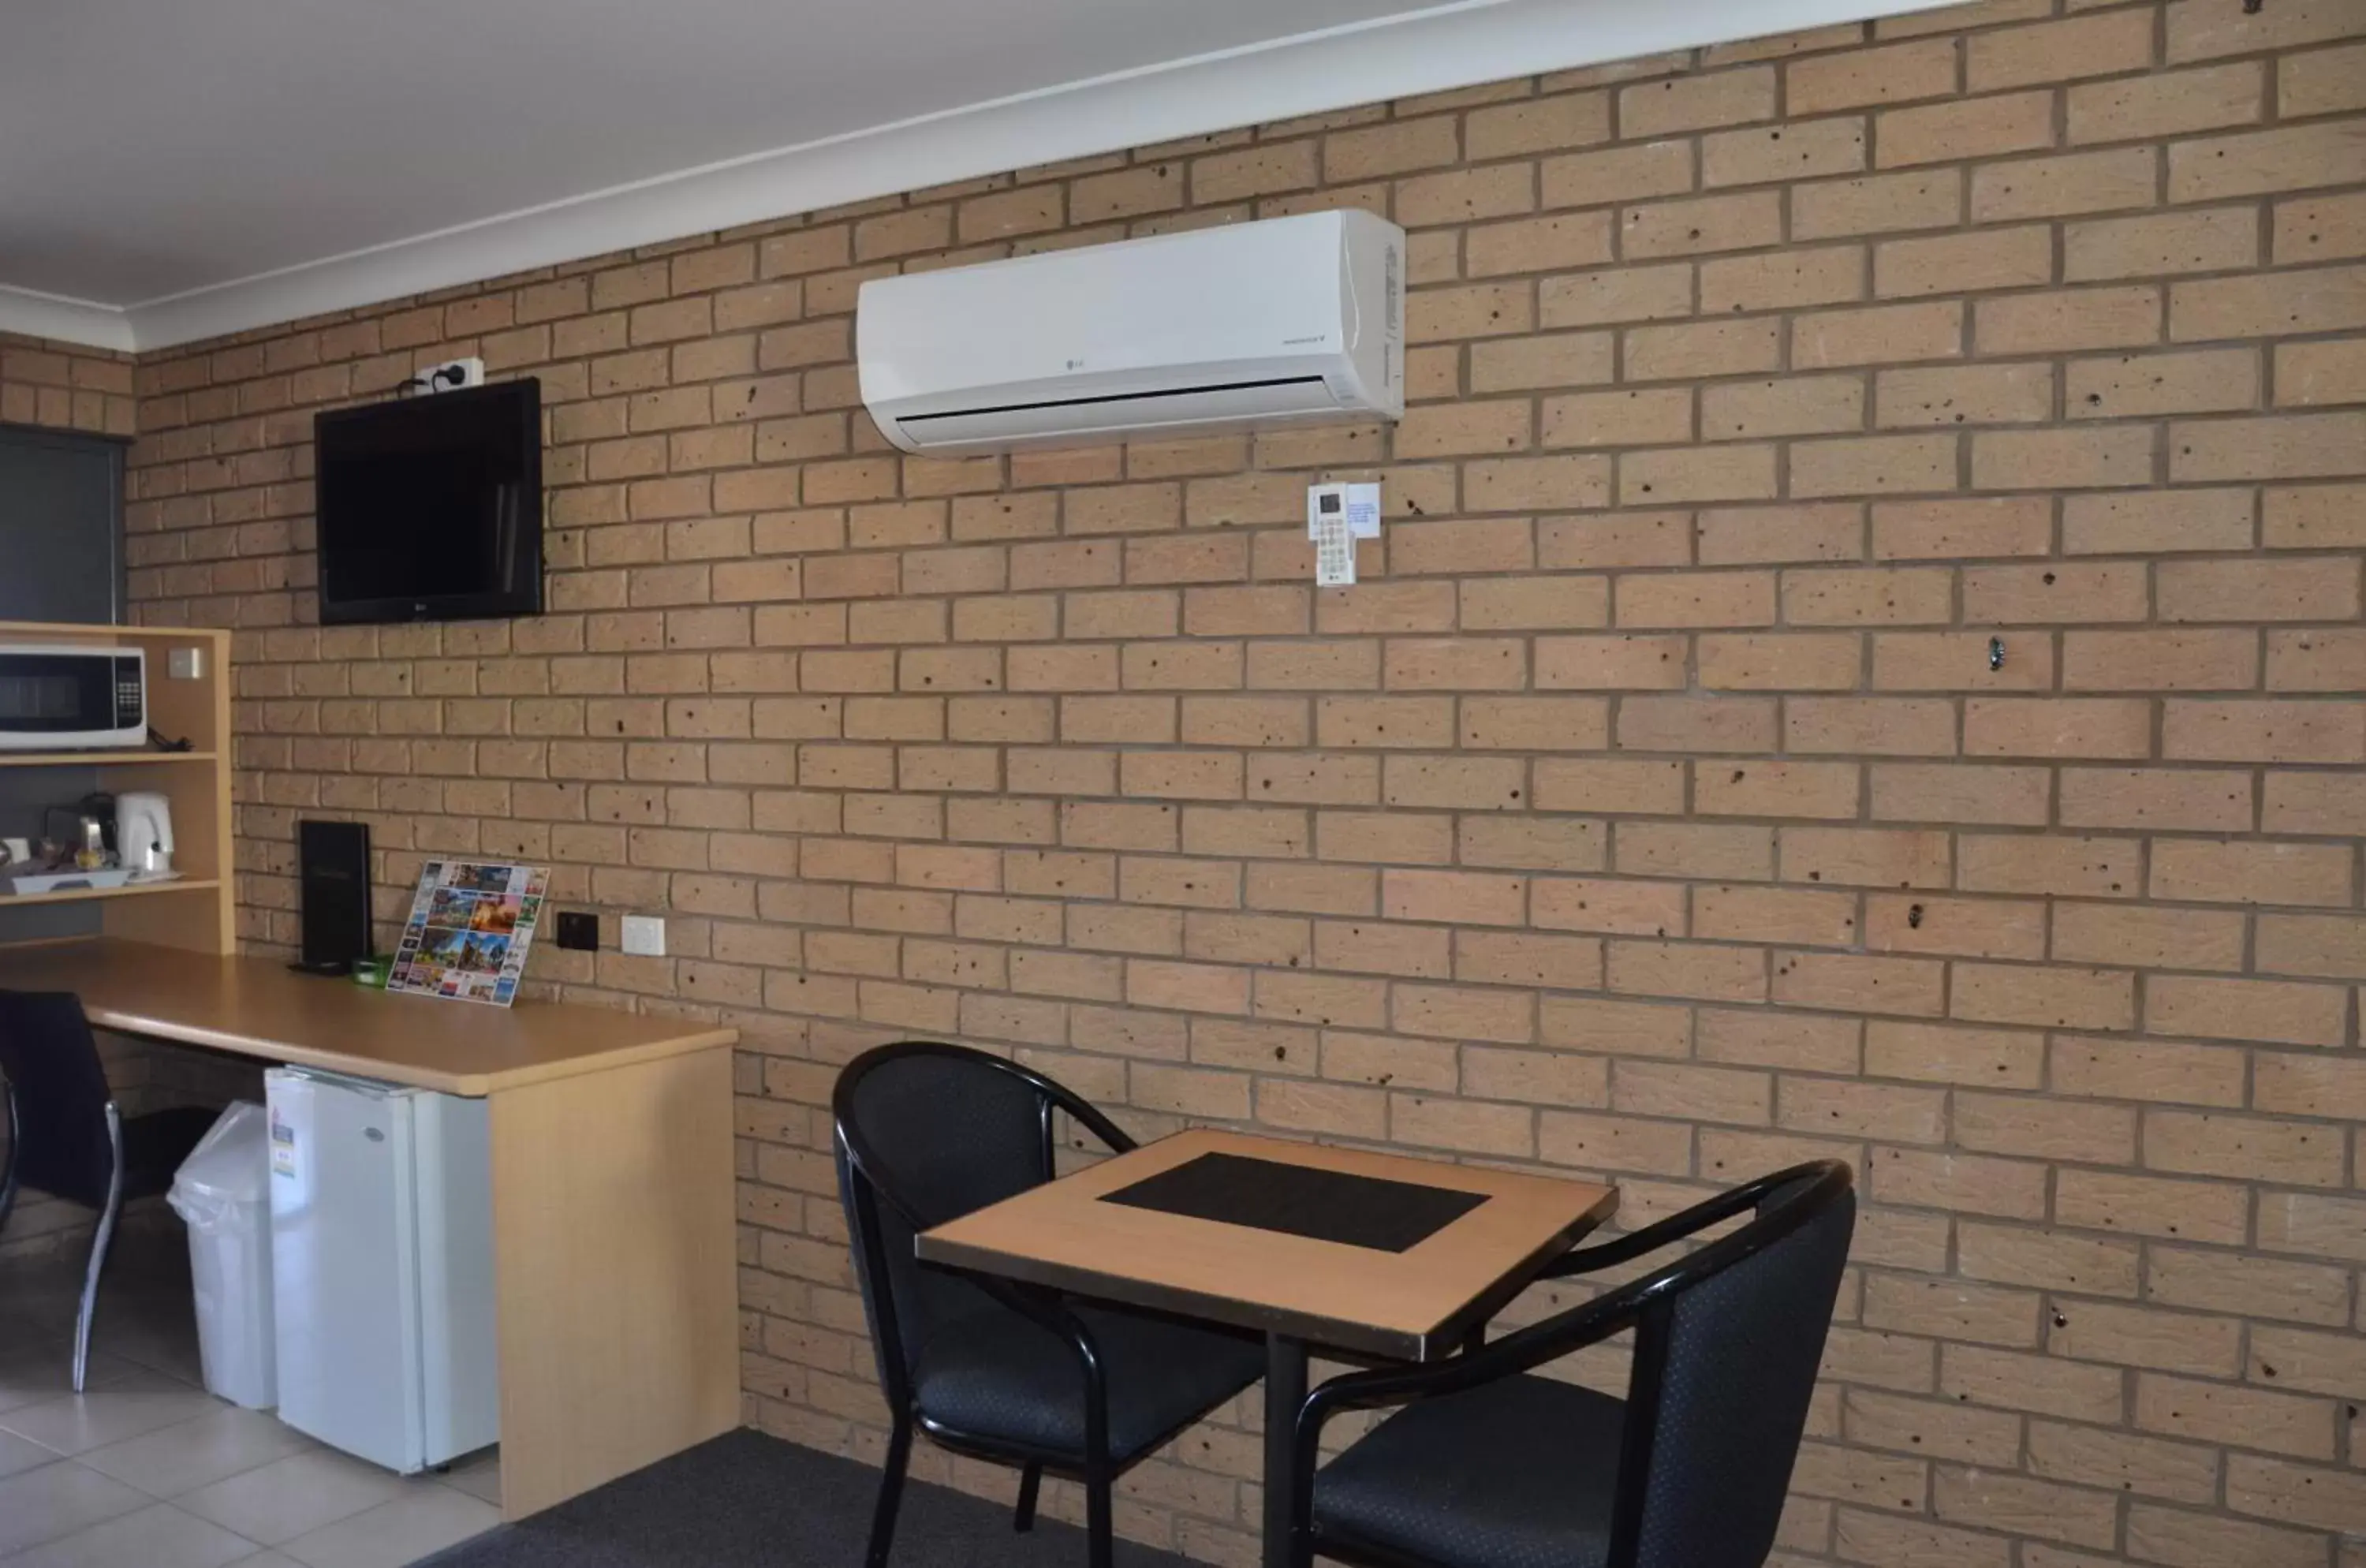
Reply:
x=1674, y=1228
x=1090, y=1115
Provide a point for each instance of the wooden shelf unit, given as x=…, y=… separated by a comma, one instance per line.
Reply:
x=98, y=758
x=196, y=912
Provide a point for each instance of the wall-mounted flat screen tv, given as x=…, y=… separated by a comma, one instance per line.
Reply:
x=430, y=508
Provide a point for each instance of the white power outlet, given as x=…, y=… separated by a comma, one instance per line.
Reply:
x=644, y=935
x=450, y=375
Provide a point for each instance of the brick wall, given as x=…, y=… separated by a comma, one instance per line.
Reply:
x=1651, y=809
x=65, y=386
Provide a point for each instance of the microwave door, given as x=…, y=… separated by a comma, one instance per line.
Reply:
x=66, y=699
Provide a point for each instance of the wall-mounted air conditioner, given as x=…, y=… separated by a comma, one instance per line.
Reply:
x=1289, y=320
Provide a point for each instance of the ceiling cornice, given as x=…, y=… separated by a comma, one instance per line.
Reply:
x=1432, y=51
x=62, y=320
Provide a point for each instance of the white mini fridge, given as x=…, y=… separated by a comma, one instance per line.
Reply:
x=382, y=1268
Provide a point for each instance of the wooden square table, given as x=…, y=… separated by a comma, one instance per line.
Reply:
x=1377, y=1256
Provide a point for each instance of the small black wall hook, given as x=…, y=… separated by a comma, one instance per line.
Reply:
x=1995, y=653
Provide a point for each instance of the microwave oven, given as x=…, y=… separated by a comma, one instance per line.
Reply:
x=58, y=698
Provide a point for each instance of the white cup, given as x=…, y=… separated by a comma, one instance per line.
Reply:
x=18, y=850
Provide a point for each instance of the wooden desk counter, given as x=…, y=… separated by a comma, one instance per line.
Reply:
x=256, y=1007
x=614, y=1220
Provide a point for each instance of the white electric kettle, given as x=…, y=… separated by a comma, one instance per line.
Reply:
x=143, y=833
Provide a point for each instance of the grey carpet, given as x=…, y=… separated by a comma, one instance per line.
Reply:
x=747, y=1499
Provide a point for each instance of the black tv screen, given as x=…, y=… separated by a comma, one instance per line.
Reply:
x=430, y=508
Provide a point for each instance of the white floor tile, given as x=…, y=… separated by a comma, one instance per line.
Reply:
x=293, y=1496
x=159, y=1536
x=56, y=1500
x=266, y=1560
x=224, y=1442
x=127, y=1407
x=480, y=1475
x=21, y=1453
x=39, y=1373
x=424, y=1520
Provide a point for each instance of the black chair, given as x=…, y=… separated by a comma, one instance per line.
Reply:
x=66, y=1137
x=928, y=1132
x=1487, y=1467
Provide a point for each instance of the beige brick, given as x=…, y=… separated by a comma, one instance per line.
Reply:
x=2159, y=660
x=2216, y=238
x=1984, y=394
x=1893, y=74
x=1560, y=359
x=1701, y=225
x=2247, y=873
x=1798, y=150
x=2208, y=800
x=2320, y=300
x=2318, y=373
x=2256, y=1418
x=1680, y=475
x=2130, y=385
x=2222, y=1009
x=2069, y=320
x=1784, y=280
x=2315, y=446
x=1538, y=244
x=1702, y=349
x=2155, y=1206
x=1619, y=173
x=1930, y=199
x=2136, y=521
x=2251, y=162
x=2168, y=103
x=1393, y=148
x=2290, y=589
x=2184, y=1540
x=1969, y=128
x=1461, y=194
x=1803, y=405
x=2316, y=516
x=1957, y=264
x=1880, y=334
x=1618, y=419
x=2101, y=45
x=2075, y=183
x=2321, y=80
x=2247, y=1147
x=2325, y=227
x=1537, y=125
x=1874, y=465
x=1677, y=104
x=1621, y=294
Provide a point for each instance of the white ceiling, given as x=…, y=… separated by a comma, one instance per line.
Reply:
x=174, y=169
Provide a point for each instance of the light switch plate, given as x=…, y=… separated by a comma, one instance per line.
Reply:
x=187, y=664
x=644, y=935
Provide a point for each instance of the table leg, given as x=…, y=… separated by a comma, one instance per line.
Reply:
x=1285, y=1391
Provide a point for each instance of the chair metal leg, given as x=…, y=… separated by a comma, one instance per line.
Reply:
x=1030, y=1481
x=1099, y=1543
x=98, y=1246
x=891, y=1494
x=8, y=1173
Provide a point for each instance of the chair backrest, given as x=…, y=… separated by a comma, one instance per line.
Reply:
x=1725, y=1362
x=51, y=1061
x=927, y=1133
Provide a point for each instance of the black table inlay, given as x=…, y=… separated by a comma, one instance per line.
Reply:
x=1298, y=1199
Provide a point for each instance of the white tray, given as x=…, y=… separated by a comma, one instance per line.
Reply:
x=80, y=881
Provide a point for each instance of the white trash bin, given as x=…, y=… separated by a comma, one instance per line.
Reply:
x=223, y=1193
